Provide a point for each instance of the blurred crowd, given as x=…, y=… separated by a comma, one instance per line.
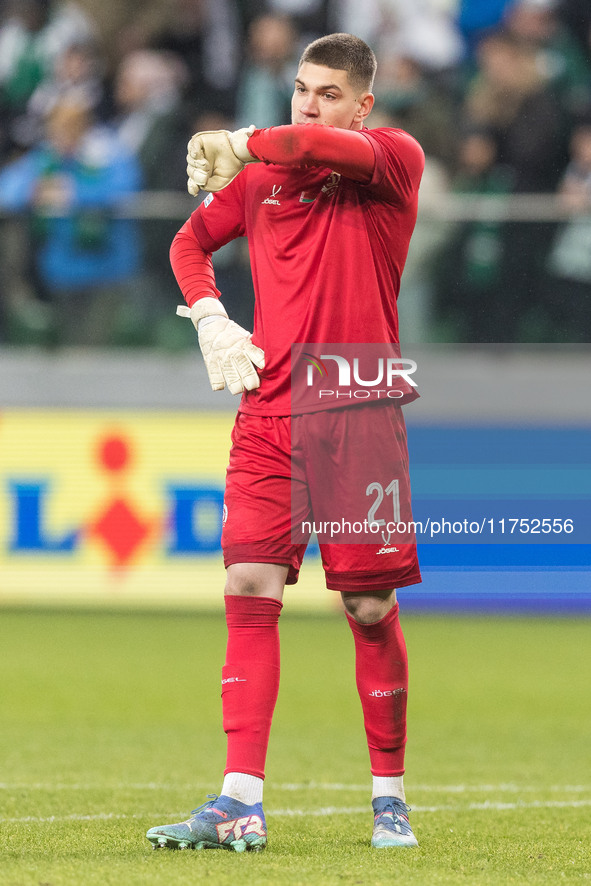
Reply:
x=97, y=102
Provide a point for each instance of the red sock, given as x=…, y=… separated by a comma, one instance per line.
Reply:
x=381, y=669
x=250, y=680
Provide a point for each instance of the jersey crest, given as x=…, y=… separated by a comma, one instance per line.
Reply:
x=329, y=188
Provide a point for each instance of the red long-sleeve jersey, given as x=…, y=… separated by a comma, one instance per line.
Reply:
x=328, y=215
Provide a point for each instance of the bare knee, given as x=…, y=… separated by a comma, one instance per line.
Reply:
x=256, y=580
x=368, y=608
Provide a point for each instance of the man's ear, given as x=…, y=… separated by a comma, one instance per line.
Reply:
x=366, y=103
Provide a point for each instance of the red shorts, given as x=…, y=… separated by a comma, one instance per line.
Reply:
x=342, y=474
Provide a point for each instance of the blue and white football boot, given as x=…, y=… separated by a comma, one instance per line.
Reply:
x=220, y=823
x=391, y=825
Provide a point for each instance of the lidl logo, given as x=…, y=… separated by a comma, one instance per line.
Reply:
x=117, y=491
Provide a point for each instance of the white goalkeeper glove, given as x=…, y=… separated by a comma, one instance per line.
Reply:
x=229, y=354
x=215, y=157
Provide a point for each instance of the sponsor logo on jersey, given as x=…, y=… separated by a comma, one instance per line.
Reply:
x=387, y=551
x=207, y=201
x=272, y=198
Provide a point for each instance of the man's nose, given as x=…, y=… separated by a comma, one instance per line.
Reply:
x=310, y=106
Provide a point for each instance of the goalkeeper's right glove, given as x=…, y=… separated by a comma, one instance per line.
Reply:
x=229, y=354
x=215, y=157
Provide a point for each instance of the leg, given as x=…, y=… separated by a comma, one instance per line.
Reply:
x=250, y=676
x=366, y=472
x=381, y=668
x=250, y=682
x=368, y=608
x=256, y=580
x=260, y=559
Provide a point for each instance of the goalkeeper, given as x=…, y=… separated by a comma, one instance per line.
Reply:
x=328, y=207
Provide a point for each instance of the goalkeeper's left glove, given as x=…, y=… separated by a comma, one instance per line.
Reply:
x=215, y=157
x=228, y=351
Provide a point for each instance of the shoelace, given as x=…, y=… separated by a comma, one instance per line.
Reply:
x=211, y=798
x=396, y=811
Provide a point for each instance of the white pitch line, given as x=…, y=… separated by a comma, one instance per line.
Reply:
x=506, y=788
x=470, y=807
x=313, y=813
x=444, y=789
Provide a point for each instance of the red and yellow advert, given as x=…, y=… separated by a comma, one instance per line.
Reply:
x=111, y=505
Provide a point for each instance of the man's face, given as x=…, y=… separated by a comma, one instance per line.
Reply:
x=325, y=96
x=66, y=126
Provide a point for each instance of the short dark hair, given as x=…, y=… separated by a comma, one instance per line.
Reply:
x=344, y=52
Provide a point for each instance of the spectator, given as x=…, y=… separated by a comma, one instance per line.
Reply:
x=206, y=34
x=266, y=84
x=476, y=19
x=471, y=303
x=34, y=34
x=420, y=27
x=417, y=286
x=568, y=290
x=83, y=259
x=415, y=102
x=309, y=17
x=576, y=16
x=510, y=99
x=77, y=78
x=559, y=57
x=151, y=119
x=152, y=122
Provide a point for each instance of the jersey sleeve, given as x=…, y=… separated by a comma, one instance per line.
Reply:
x=342, y=150
x=192, y=266
x=389, y=161
x=220, y=218
x=399, y=165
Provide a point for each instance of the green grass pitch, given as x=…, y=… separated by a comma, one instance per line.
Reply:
x=110, y=723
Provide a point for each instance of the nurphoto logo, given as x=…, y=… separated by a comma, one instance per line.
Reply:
x=388, y=371
x=337, y=373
